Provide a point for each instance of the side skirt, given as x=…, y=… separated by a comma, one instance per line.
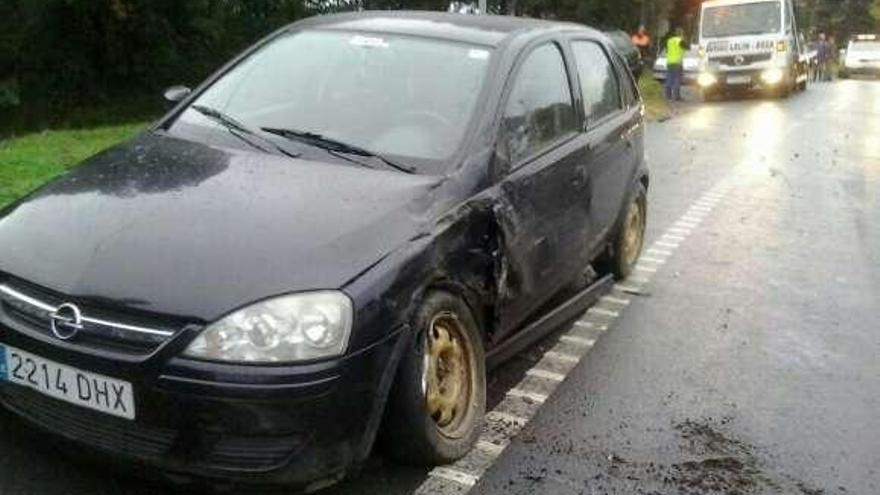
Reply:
x=567, y=311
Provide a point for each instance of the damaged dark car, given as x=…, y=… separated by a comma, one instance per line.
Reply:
x=324, y=247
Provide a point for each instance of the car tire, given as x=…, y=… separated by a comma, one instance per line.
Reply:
x=436, y=407
x=630, y=237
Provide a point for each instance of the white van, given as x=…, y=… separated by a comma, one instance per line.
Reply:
x=750, y=44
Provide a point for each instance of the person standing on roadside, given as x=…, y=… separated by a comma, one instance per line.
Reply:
x=642, y=40
x=823, y=56
x=675, y=51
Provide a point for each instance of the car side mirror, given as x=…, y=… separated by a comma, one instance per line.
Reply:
x=176, y=94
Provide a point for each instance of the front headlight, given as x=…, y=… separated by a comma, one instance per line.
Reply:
x=706, y=79
x=298, y=327
x=773, y=76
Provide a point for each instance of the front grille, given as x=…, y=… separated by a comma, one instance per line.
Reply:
x=742, y=60
x=83, y=425
x=252, y=453
x=152, y=444
x=102, y=328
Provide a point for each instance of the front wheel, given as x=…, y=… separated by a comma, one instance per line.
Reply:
x=627, y=244
x=439, y=397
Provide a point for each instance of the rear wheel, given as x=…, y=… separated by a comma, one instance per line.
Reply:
x=439, y=398
x=630, y=238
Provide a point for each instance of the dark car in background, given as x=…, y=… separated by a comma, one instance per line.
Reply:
x=329, y=241
x=627, y=49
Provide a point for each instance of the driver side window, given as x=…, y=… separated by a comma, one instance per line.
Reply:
x=539, y=111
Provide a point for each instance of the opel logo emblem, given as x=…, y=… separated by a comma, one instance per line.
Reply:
x=739, y=60
x=66, y=321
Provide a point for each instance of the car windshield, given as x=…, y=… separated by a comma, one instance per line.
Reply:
x=865, y=46
x=407, y=97
x=742, y=19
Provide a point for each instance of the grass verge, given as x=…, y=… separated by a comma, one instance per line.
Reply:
x=29, y=161
x=656, y=106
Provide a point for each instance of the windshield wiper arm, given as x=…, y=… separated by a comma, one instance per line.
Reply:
x=336, y=146
x=235, y=127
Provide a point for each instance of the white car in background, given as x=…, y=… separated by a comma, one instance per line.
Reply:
x=691, y=66
x=862, y=55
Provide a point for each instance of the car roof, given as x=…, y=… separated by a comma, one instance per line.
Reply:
x=490, y=30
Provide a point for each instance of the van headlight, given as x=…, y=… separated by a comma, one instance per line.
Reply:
x=772, y=76
x=706, y=79
x=298, y=327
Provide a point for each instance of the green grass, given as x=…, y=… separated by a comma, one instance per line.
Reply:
x=27, y=162
x=656, y=105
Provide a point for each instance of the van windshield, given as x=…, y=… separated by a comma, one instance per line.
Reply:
x=742, y=19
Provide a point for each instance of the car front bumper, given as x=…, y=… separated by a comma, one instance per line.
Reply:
x=220, y=423
x=744, y=80
x=867, y=68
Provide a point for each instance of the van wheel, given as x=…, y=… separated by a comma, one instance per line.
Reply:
x=627, y=244
x=438, y=400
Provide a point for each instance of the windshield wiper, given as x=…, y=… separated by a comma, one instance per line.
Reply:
x=335, y=146
x=240, y=130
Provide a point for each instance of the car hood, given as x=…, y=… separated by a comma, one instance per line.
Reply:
x=179, y=228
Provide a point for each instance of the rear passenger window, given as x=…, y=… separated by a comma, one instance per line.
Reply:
x=599, y=85
x=539, y=110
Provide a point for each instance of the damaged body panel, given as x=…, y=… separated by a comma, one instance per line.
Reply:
x=213, y=226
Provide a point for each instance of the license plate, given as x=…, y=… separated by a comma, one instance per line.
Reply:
x=739, y=79
x=82, y=388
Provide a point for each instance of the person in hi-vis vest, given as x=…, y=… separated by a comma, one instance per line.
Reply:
x=675, y=51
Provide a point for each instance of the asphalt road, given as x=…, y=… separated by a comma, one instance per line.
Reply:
x=743, y=357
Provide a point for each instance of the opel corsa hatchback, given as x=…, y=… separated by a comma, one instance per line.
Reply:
x=326, y=243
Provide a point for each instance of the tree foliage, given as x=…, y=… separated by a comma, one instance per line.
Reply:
x=62, y=54
x=841, y=18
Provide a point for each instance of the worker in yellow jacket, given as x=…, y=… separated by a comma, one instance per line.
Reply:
x=676, y=47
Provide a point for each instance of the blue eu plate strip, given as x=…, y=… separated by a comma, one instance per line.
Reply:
x=2, y=363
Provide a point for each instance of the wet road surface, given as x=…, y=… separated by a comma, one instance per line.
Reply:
x=741, y=358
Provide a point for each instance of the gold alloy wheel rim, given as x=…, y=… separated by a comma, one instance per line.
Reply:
x=632, y=236
x=448, y=370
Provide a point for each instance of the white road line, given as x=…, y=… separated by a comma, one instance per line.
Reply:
x=559, y=356
x=628, y=289
x=605, y=312
x=584, y=324
x=503, y=417
x=669, y=245
x=688, y=217
x=661, y=252
x=489, y=448
x=454, y=475
x=652, y=260
x=572, y=339
x=688, y=225
x=672, y=238
x=648, y=269
x=696, y=207
x=680, y=230
x=637, y=279
x=615, y=300
x=525, y=394
x=547, y=375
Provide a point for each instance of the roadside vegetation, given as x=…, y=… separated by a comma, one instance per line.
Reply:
x=29, y=161
x=656, y=106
